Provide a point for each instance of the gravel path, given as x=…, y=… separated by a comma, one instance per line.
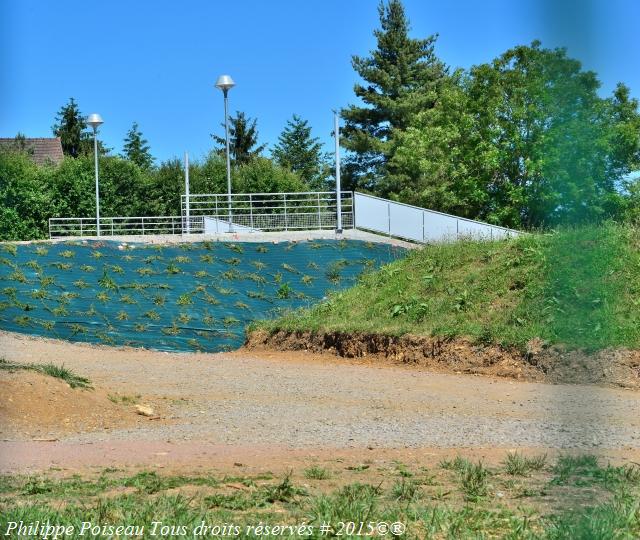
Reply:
x=303, y=402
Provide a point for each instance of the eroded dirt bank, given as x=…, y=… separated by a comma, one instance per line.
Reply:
x=614, y=367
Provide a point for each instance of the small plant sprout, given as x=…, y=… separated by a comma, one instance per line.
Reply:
x=184, y=300
x=184, y=318
x=87, y=268
x=181, y=259
x=289, y=268
x=236, y=248
x=106, y=281
x=207, y=258
x=173, y=269
x=284, y=291
x=122, y=316
x=152, y=314
x=41, y=251
x=307, y=280
x=67, y=254
x=34, y=266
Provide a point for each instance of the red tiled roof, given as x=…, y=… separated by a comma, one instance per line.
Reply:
x=41, y=150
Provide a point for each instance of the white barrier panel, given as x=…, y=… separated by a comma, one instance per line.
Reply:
x=419, y=224
x=372, y=213
x=406, y=222
x=440, y=227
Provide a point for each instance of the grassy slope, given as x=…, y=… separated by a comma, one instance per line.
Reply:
x=579, y=287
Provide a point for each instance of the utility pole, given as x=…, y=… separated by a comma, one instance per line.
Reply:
x=336, y=127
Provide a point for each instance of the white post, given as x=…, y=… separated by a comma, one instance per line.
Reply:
x=226, y=134
x=95, y=155
x=186, y=191
x=338, y=188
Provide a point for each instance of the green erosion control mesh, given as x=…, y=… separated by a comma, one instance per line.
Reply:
x=176, y=297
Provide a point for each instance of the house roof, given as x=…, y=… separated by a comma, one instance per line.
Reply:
x=42, y=150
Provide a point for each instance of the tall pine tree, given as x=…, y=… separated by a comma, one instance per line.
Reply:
x=136, y=148
x=401, y=78
x=70, y=127
x=298, y=151
x=243, y=139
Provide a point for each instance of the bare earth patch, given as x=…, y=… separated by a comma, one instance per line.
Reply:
x=615, y=367
x=36, y=406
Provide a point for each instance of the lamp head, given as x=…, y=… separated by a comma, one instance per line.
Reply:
x=94, y=120
x=225, y=83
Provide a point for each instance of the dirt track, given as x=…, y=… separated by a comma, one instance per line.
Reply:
x=250, y=404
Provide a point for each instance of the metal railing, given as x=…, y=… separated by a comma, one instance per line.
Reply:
x=265, y=211
x=116, y=226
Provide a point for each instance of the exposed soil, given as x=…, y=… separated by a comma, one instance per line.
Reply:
x=39, y=407
x=272, y=409
x=610, y=367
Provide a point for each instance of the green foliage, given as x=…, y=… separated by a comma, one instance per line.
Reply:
x=136, y=148
x=400, y=79
x=525, y=141
x=243, y=139
x=301, y=153
x=70, y=127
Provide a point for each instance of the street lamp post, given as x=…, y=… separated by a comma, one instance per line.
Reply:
x=225, y=83
x=95, y=120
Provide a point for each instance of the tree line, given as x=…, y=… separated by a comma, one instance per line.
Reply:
x=524, y=141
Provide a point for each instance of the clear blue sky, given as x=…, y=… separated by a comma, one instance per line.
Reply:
x=155, y=62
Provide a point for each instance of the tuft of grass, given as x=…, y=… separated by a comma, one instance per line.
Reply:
x=317, y=473
x=58, y=372
x=406, y=490
x=474, y=481
x=518, y=465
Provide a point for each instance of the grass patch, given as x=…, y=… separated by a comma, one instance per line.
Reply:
x=59, y=372
x=518, y=465
x=317, y=473
x=428, y=510
x=579, y=287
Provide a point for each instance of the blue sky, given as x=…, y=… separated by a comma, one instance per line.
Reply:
x=155, y=62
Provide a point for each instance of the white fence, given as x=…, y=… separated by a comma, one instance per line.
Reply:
x=420, y=225
x=115, y=226
x=266, y=211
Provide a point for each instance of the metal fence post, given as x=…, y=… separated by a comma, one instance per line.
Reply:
x=251, y=210
x=319, y=214
x=285, y=212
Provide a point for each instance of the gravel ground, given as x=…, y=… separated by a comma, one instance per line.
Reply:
x=281, y=399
